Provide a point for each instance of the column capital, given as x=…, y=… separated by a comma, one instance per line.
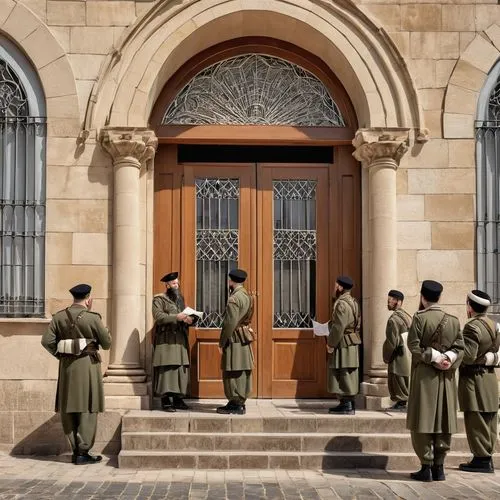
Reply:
x=130, y=145
x=387, y=144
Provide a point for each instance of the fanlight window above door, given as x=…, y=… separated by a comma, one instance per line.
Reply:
x=254, y=89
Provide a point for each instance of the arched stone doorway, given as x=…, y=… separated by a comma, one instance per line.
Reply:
x=255, y=169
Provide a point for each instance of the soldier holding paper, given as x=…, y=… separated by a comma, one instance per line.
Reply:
x=395, y=352
x=171, y=345
x=74, y=337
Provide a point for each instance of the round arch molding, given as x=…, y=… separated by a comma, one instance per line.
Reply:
x=29, y=33
x=355, y=48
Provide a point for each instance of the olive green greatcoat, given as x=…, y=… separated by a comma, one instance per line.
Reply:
x=79, y=387
x=478, y=392
x=343, y=362
x=237, y=357
x=432, y=403
x=396, y=354
x=171, y=348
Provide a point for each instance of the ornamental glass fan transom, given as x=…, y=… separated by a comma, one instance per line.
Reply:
x=254, y=89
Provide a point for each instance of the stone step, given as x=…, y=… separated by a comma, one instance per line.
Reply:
x=278, y=460
x=363, y=422
x=287, y=442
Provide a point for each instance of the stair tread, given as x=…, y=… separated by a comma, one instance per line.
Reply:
x=278, y=453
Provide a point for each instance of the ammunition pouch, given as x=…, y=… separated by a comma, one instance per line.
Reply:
x=244, y=334
x=349, y=339
x=476, y=369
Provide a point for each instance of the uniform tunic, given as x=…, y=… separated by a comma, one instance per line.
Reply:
x=478, y=392
x=432, y=403
x=171, y=348
x=237, y=357
x=80, y=392
x=343, y=363
x=397, y=355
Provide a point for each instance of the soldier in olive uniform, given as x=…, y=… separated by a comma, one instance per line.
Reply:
x=343, y=347
x=235, y=344
x=171, y=345
x=478, y=385
x=437, y=347
x=395, y=352
x=74, y=337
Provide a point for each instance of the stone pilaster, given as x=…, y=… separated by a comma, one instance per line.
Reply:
x=379, y=151
x=130, y=149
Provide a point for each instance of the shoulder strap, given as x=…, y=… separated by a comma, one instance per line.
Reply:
x=437, y=337
x=355, y=311
x=491, y=332
x=73, y=323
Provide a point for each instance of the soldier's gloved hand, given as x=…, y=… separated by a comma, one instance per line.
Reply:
x=181, y=317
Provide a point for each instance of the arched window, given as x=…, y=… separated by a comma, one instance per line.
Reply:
x=22, y=186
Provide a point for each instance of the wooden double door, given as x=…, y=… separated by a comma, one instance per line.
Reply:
x=291, y=226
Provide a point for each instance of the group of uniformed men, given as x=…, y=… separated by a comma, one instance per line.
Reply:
x=429, y=357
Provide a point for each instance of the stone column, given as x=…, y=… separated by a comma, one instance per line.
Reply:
x=130, y=149
x=380, y=151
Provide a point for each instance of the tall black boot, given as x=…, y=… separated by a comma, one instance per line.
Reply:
x=166, y=403
x=346, y=407
x=438, y=473
x=424, y=474
x=478, y=464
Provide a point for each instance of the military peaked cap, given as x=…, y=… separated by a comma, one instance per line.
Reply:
x=431, y=290
x=80, y=291
x=345, y=282
x=170, y=277
x=238, y=275
x=479, y=297
x=396, y=294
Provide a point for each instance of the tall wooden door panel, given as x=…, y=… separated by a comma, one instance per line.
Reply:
x=218, y=211
x=293, y=278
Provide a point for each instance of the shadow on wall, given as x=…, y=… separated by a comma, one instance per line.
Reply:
x=48, y=438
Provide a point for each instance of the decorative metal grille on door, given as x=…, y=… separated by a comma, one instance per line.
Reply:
x=217, y=221
x=294, y=253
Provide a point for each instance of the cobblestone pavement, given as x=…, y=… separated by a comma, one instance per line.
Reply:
x=55, y=477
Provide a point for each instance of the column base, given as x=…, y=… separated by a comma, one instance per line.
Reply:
x=373, y=403
x=374, y=391
x=125, y=388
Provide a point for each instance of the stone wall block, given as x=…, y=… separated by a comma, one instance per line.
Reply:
x=105, y=13
x=92, y=249
x=433, y=154
x=87, y=216
x=425, y=45
x=61, y=278
x=466, y=38
x=64, y=106
x=481, y=54
x=61, y=33
x=402, y=41
x=460, y=100
x=441, y=181
x=402, y=181
x=407, y=271
x=458, y=126
x=59, y=248
x=456, y=292
x=65, y=13
x=64, y=127
x=410, y=207
x=493, y=33
x=42, y=47
x=8, y=395
x=389, y=16
x=79, y=183
x=462, y=153
x=444, y=69
x=431, y=99
x=91, y=40
x=414, y=235
x=58, y=79
x=86, y=66
x=449, y=207
x=421, y=17
x=6, y=8
x=468, y=76
x=449, y=45
x=433, y=123
x=36, y=394
x=453, y=236
x=20, y=23
x=458, y=18
x=486, y=15
x=446, y=265
x=6, y=427
x=424, y=72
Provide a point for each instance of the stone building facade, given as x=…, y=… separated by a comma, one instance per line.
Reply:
x=413, y=71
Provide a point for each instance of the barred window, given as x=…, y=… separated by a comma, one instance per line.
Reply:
x=22, y=186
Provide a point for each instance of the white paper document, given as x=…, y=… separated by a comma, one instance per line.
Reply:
x=404, y=336
x=320, y=329
x=192, y=312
